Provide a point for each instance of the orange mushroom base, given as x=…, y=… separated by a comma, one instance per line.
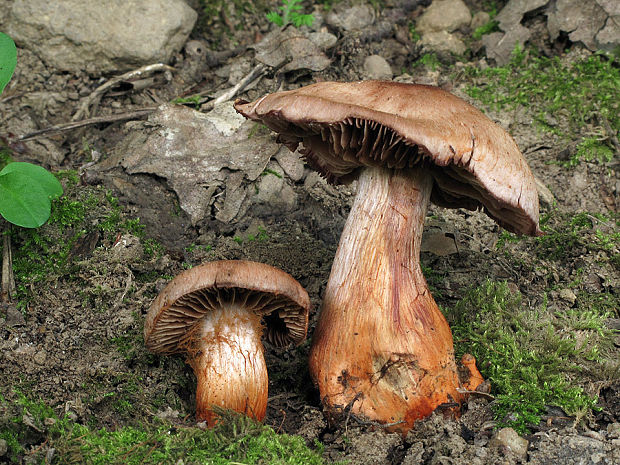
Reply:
x=226, y=354
x=382, y=350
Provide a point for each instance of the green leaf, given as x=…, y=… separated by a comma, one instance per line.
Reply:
x=38, y=175
x=275, y=18
x=8, y=60
x=25, y=192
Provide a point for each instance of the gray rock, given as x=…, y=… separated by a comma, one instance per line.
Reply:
x=568, y=296
x=291, y=163
x=594, y=23
x=438, y=243
x=444, y=15
x=573, y=449
x=442, y=41
x=350, y=19
x=101, y=36
x=499, y=46
x=197, y=154
x=514, y=11
x=291, y=50
x=545, y=196
x=323, y=40
x=608, y=38
x=14, y=317
x=508, y=439
x=377, y=67
x=273, y=194
x=40, y=357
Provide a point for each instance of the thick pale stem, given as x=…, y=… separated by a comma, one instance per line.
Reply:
x=382, y=348
x=226, y=353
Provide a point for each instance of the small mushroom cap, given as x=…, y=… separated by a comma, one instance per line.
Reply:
x=268, y=291
x=343, y=126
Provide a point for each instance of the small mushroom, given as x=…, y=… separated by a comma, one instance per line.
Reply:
x=382, y=348
x=215, y=313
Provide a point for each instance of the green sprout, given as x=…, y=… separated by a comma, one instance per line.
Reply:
x=290, y=15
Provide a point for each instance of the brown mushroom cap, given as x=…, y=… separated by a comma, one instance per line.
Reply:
x=343, y=126
x=275, y=295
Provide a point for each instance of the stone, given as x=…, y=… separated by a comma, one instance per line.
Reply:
x=514, y=11
x=102, y=36
x=377, y=67
x=354, y=18
x=499, y=46
x=509, y=439
x=197, y=154
x=438, y=243
x=479, y=20
x=613, y=430
x=273, y=194
x=444, y=15
x=291, y=163
x=4, y=448
x=568, y=296
x=323, y=40
x=40, y=357
x=545, y=196
x=443, y=41
x=596, y=23
x=290, y=49
x=14, y=317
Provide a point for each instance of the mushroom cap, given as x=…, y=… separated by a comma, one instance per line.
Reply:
x=275, y=295
x=343, y=126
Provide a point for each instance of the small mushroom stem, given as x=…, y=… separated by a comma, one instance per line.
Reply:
x=381, y=347
x=226, y=353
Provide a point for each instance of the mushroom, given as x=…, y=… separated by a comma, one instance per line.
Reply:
x=382, y=348
x=215, y=313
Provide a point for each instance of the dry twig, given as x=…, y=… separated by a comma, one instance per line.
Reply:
x=139, y=113
x=95, y=96
x=231, y=93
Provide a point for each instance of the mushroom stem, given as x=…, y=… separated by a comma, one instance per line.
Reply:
x=381, y=347
x=226, y=353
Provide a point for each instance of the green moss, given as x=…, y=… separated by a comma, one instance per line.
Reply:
x=565, y=96
x=273, y=172
x=46, y=251
x=236, y=439
x=566, y=235
x=530, y=356
x=428, y=60
x=491, y=26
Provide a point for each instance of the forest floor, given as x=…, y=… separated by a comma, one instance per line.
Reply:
x=540, y=314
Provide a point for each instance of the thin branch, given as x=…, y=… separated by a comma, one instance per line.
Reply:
x=231, y=93
x=86, y=122
x=484, y=395
x=95, y=96
x=8, y=281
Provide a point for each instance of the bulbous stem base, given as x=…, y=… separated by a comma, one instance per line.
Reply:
x=382, y=349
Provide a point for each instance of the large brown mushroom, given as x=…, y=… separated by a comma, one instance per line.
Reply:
x=382, y=348
x=215, y=313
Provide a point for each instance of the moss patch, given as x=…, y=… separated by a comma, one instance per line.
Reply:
x=236, y=440
x=568, y=96
x=532, y=357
